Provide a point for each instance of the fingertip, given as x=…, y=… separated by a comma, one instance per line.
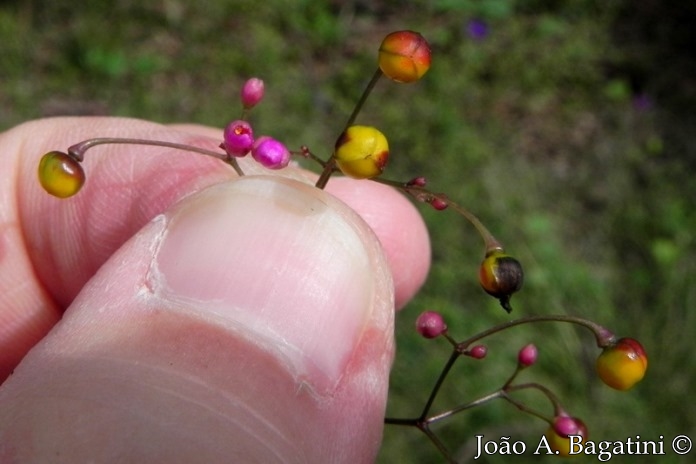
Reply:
x=399, y=227
x=197, y=129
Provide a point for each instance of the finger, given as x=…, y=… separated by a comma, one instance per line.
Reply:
x=50, y=248
x=252, y=321
x=401, y=230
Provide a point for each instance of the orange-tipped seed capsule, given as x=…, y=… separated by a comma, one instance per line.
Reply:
x=60, y=174
x=404, y=56
x=361, y=152
x=501, y=275
x=622, y=364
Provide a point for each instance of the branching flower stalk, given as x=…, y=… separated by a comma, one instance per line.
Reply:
x=603, y=338
x=361, y=152
x=415, y=188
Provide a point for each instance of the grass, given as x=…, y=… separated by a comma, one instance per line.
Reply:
x=536, y=128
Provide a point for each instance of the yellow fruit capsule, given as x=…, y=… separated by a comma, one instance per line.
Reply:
x=501, y=275
x=404, y=56
x=60, y=174
x=361, y=152
x=622, y=364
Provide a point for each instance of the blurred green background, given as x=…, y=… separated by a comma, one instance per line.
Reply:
x=566, y=125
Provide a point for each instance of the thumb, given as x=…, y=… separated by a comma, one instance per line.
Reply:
x=250, y=322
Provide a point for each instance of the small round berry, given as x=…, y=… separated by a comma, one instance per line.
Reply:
x=477, y=351
x=60, y=174
x=501, y=275
x=622, y=364
x=238, y=138
x=430, y=324
x=270, y=153
x=560, y=443
x=361, y=152
x=404, y=56
x=252, y=92
x=527, y=355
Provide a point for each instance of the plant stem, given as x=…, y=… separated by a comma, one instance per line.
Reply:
x=548, y=393
x=423, y=422
x=424, y=195
x=464, y=407
x=438, y=384
x=602, y=335
x=306, y=153
x=363, y=98
x=78, y=150
x=438, y=444
x=489, y=240
x=330, y=164
x=433, y=394
x=329, y=168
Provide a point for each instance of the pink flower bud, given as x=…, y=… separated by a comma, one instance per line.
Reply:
x=478, y=352
x=270, y=153
x=439, y=204
x=527, y=355
x=417, y=182
x=252, y=92
x=238, y=138
x=560, y=442
x=430, y=324
x=565, y=426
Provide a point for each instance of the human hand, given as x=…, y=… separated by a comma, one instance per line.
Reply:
x=203, y=318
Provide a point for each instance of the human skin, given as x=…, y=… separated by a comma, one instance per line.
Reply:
x=171, y=312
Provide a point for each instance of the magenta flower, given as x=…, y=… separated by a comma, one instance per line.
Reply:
x=238, y=138
x=270, y=153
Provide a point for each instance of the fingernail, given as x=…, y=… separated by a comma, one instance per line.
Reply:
x=279, y=263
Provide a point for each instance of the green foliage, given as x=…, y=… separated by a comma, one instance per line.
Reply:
x=532, y=128
x=492, y=9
